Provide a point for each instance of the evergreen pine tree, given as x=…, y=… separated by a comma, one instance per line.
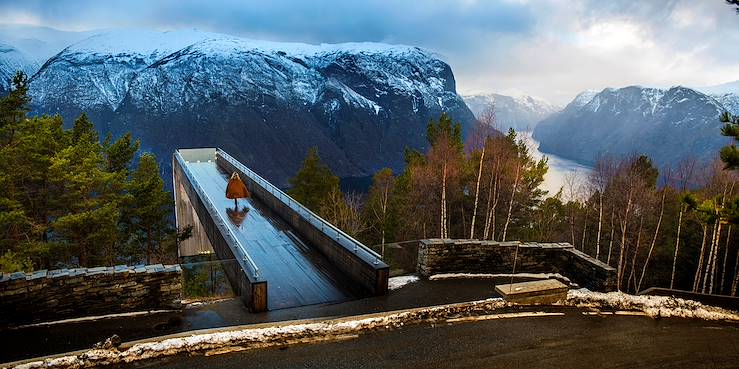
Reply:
x=445, y=127
x=152, y=232
x=87, y=199
x=13, y=109
x=120, y=154
x=314, y=182
x=729, y=154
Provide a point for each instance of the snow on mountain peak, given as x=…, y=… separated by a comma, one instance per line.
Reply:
x=11, y=61
x=112, y=62
x=518, y=111
x=583, y=98
x=139, y=42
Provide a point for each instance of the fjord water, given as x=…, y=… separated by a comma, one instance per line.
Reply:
x=561, y=171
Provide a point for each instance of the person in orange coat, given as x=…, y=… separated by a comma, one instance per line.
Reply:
x=236, y=189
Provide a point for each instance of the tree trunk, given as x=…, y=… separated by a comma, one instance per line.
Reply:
x=600, y=225
x=726, y=256
x=714, y=265
x=488, y=209
x=632, y=274
x=442, y=221
x=83, y=255
x=584, y=232
x=572, y=227
x=610, y=240
x=510, y=204
x=696, y=280
x=496, y=200
x=477, y=194
x=149, y=247
x=654, y=240
x=710, y=257
x=677, y=245
x=621, y=256
x=736, y=275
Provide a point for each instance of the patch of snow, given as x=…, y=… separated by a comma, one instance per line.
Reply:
x=729, y=101
x=263, y=336
x=653, y=306
x=395, y=283
x=583, y=98
x=443, y=276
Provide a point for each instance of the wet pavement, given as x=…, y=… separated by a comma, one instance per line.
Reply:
x=573, y=340
x=44, y=340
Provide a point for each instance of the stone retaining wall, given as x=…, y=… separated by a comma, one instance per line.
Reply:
x=66, y=293
x=474, y=256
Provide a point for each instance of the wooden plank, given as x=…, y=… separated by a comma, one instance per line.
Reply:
x=534, y=292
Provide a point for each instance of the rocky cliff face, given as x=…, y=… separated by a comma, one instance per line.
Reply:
x=668, y=125
x=521, y=113
x=264, y=102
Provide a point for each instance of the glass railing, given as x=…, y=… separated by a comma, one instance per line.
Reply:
x=204, y=278
x=340, y=236
x=226, y=231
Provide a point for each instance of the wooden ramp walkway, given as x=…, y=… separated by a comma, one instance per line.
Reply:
x=297, y=275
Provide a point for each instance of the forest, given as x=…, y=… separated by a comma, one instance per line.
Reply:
x=666, y=228
x=71, y=199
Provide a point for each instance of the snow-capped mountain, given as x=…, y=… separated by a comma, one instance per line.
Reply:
x=13, y=60
x=266, y=102
x=521, y=113
x=666, y=124
x=730, y=101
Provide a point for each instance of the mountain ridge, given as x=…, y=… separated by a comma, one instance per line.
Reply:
x=266, y=102
x=521, y=113
x=669, y=125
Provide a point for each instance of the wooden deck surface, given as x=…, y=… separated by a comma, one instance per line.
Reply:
x=296, y=274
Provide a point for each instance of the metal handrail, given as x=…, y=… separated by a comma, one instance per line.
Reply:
x=307, y=213
x=210, y=205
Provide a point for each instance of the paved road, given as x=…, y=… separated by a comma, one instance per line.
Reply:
x=45, y=340
x=570, y=341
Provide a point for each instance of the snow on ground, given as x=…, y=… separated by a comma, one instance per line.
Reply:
x=397, y=282
x=264, y=336
x=442, y=276
x=653, y=306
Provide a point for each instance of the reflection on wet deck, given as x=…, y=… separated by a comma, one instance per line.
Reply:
x=296, y=274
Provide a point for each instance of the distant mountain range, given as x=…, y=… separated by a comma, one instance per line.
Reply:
x=666, y=124
x=521, y=113
x=361, y=104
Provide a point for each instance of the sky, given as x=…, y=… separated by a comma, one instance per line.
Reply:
x=552, y=49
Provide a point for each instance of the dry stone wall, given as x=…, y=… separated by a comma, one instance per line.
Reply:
x=474, y=256
x=66, y=293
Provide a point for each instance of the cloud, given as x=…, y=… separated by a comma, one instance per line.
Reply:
x=549, y=48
